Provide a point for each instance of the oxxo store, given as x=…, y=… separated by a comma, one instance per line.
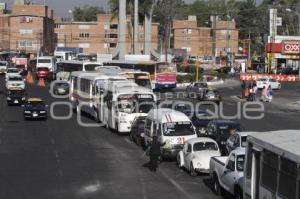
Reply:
x=286, y=54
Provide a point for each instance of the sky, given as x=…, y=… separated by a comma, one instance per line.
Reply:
x=61, y=7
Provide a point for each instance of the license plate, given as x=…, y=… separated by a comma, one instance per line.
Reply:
x=34, y=114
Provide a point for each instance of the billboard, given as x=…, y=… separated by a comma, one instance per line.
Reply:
x=290, y=47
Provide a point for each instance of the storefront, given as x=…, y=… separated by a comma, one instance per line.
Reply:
x=284, y=55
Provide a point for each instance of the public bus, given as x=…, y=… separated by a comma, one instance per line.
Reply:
x=123, y=102
x=163, y=75
x=272, y=169
x=86, y=90
x=64, y=68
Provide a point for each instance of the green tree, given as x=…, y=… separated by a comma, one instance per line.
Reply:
x=87, y=13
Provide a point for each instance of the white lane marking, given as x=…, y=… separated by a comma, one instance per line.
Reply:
x=175, y=184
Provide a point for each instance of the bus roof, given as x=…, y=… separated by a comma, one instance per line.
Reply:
x=133, y=89
x=165, y=115
x=70, y=62
x=131, y=62
x=284, y=142
x=94, y=75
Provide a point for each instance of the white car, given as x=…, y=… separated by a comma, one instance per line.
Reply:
x=3, y=67
x=15, y=82
x=196, y=155
x=237, y=140
x=11, y=71
x=265, y=82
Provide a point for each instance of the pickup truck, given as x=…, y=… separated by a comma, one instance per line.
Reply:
x=226, y=171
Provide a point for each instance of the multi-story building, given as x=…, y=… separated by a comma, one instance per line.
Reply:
x=29, y=28
x=198, y=41
x=100, y=36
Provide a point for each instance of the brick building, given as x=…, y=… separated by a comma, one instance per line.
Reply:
x=100, y=36
x=29, y=28
x=198, y=41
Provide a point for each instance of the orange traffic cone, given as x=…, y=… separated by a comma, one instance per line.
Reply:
x=41, y=82
x=29, y=78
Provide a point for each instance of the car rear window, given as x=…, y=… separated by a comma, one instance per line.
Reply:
x=43, y=69
x=44, y=61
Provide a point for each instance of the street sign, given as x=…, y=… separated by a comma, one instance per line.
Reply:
x=279, y=21
x=291, y=47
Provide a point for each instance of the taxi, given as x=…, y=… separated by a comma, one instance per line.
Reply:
x=35, y=108
x=15, y=97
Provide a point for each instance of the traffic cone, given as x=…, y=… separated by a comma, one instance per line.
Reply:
x=41, y=82
x=29, y=78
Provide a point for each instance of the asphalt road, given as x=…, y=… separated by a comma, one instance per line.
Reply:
x=59, y=159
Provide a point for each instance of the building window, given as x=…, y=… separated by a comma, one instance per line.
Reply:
x=26, y=19
x=24, y=43
x=287, y=179
x=113, y=36
x=60, y=45
x=84, y=35
x=187, y=31
x=60, y=35
x=113, y=26
x=112, y=45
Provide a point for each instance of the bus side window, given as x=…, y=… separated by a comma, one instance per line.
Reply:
x=287, y=179
x=249, y=161
x=270, y=168
x=148, y=127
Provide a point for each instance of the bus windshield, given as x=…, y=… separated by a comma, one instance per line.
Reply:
x=137, y=103
x=163, y=68
x=69, y=67
x=91, y=67
x=178, y=129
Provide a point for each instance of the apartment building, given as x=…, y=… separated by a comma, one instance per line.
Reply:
x=29, y=28
x=198, y=41
x=100, y=36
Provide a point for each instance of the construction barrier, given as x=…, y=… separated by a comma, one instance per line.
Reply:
x=41, y=82
x=281, y=78
x=29, y=78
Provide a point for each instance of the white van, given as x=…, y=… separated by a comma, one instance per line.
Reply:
x=46, y=62
x=171, y=127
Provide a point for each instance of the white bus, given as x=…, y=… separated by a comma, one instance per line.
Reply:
x=272, y=169
x=123, y=102
x=86, y=90
x=64, y=68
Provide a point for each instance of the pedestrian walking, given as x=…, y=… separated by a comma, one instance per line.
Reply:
x=154, y=154
x=243, y=86
x=255, y=89
x=264, y=94
x=270, y=93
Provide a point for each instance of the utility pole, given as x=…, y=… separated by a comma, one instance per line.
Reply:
x=273, y=33
x=136, y=27
x=214, y=24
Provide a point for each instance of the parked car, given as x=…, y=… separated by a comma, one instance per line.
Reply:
x=196, y=154
x=15, y=82
x=35, y=108
x=265, y=82
x=225, y=172
x=200, y=119
x=220, y=130
x=177, y=105
x=11, y=71
x=197, y=90
x=3, y=67
x=61, y=88
x=212, y=95
x=137, y=132
x=15, y=97
x=237, y=140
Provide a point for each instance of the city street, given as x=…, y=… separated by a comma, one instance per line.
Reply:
x=62, y=160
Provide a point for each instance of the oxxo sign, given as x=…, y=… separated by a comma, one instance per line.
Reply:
x=291, y=47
